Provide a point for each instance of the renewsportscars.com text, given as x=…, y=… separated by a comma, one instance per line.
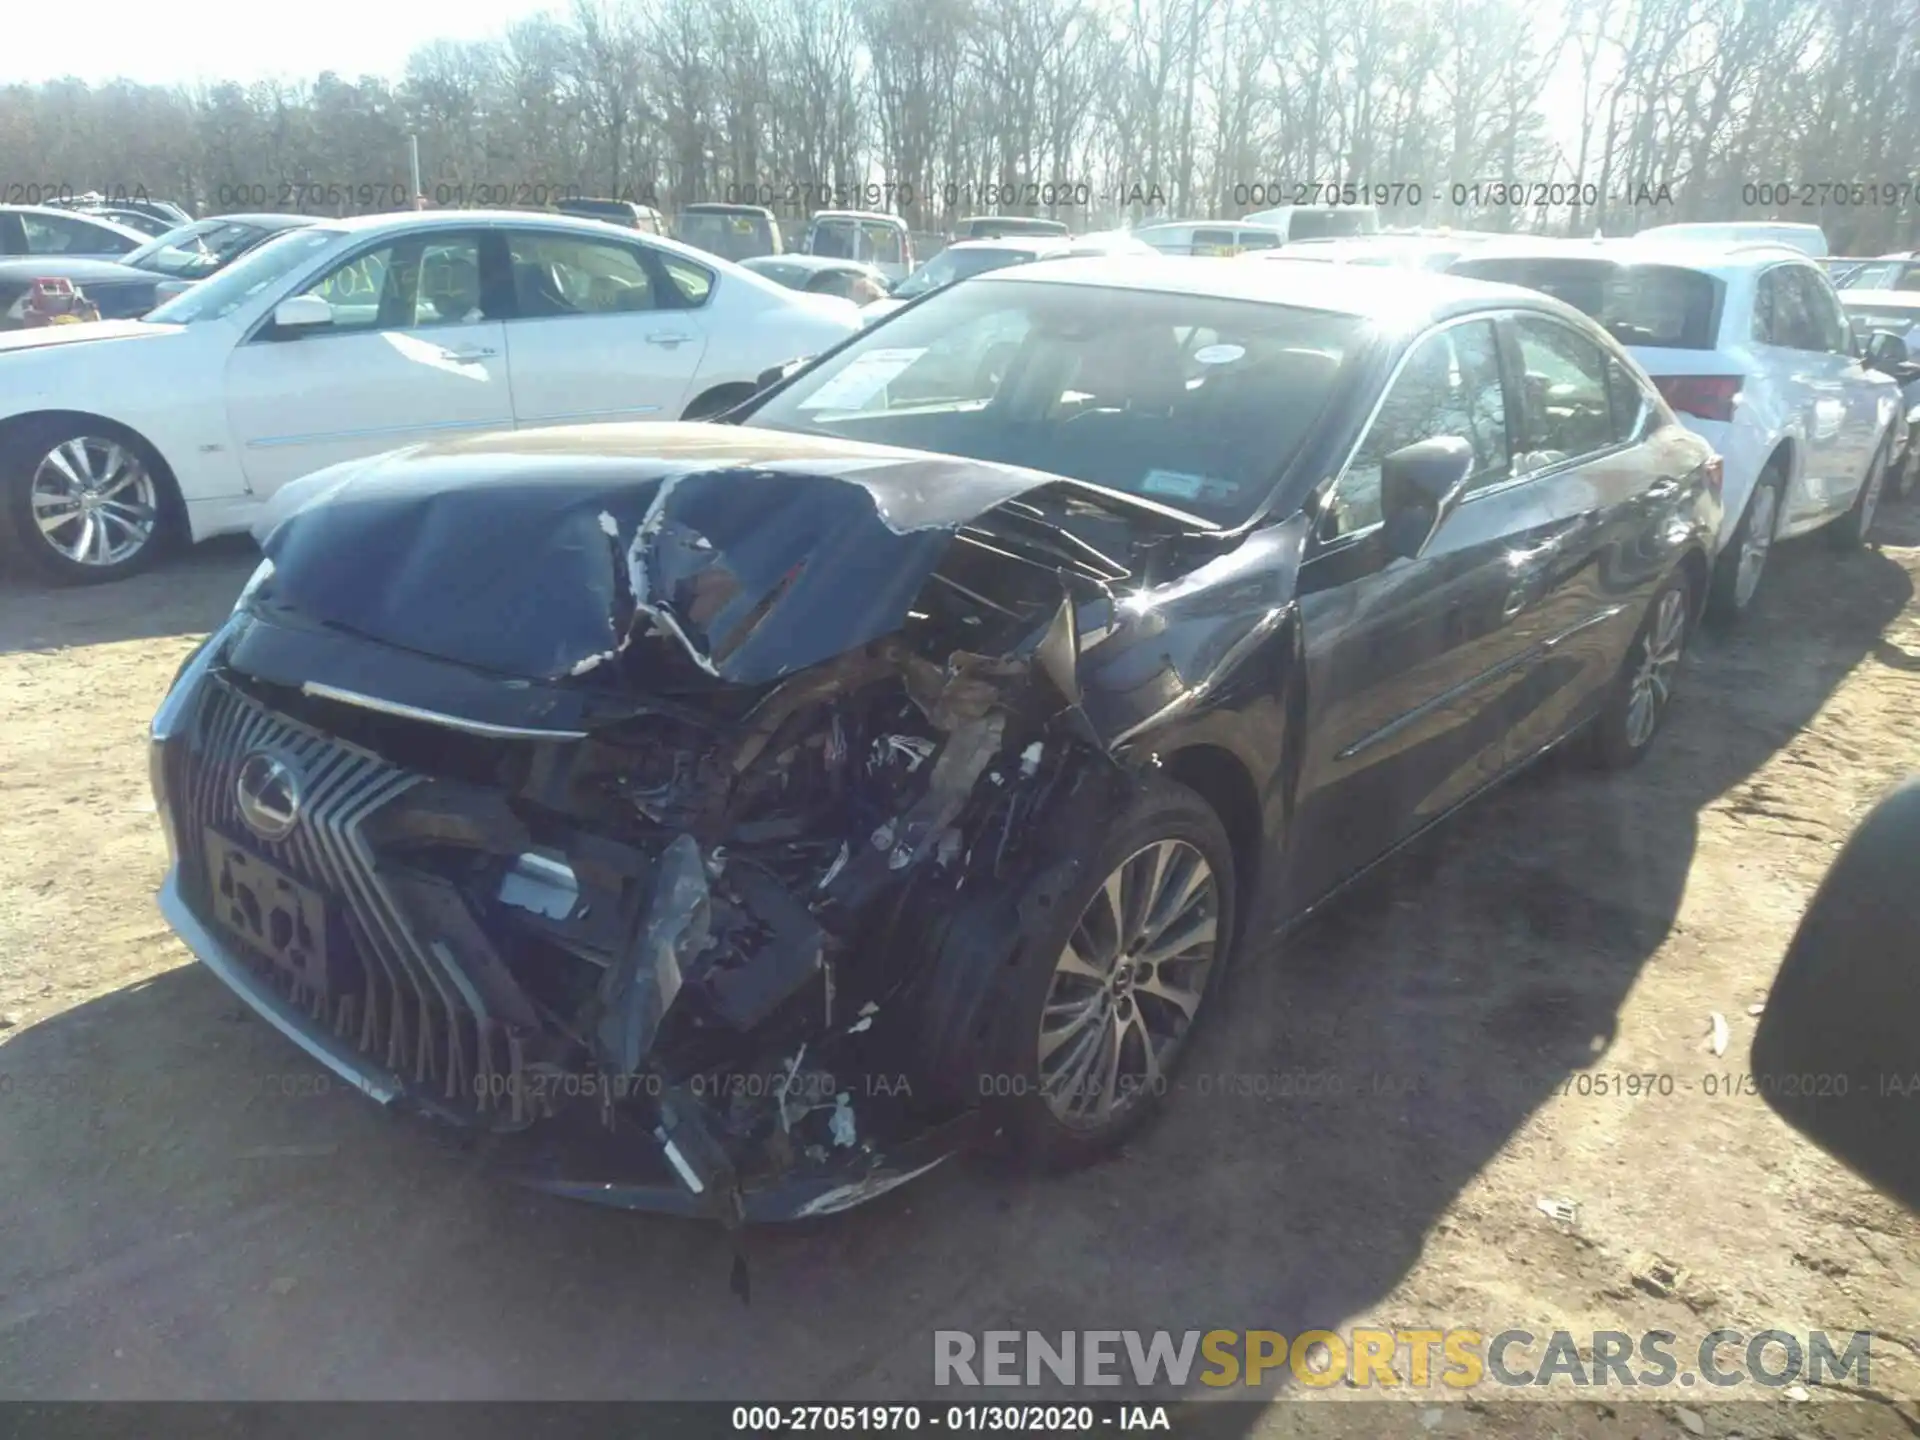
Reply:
x=1458, y=1359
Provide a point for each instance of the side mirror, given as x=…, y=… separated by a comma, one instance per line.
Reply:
x=302, y=312
x=1837, y=1050
x=1419, y=486
x=1885, y=351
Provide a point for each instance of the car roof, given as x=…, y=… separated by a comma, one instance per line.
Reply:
x=1394, y=297
x=70, y=267
x=400, y=221
x=1882, y=299
x=1033, y=244
x=880, y=215
x=265, y=220
x=716, y=207
x=54, y=212
x=801, y=260
x=1703, y=254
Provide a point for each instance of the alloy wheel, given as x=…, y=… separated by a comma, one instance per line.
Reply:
x=1659, y=657
x=94, y=501
x=1128, y=985
x=1755, y=545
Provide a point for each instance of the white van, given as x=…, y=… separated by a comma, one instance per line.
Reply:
x=868, y=236
x=1207, y=237
x=1807, y=239
x=1317, y=222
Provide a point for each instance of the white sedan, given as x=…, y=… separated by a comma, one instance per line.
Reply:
x=351, y=337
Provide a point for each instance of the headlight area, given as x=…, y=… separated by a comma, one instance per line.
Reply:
x=175, y=715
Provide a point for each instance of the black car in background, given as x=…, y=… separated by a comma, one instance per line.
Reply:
x=198, y=248
x=823, y=275
x=117, y=291
x=149, y=217
x=736, y=818
x=127, y=288
x=644, y=218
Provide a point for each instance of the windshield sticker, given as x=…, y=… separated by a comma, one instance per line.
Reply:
x=1218, y=354
x=864, y=378
x=1174, y=482
x=1181, y=485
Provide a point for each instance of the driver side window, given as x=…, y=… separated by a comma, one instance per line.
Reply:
x=1450, y=385
x=408, y=285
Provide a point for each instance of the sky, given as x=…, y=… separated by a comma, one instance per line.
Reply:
x=245, y=40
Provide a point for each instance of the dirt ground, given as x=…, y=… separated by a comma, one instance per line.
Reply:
x=181, y=1217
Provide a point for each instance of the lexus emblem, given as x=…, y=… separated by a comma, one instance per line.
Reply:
x=268, y=789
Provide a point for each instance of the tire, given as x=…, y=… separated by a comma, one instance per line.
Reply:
x=1065, y=1110
x=717, y=401
x=112, y=484
x=1623, y=731
x=1737, y=574
x=1850, y=531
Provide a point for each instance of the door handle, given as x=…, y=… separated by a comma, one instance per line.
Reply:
x=668, y=338
x=475, y=352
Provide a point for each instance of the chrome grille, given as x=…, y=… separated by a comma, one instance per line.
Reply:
x=404, y=1001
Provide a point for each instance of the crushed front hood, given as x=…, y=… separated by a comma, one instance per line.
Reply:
x=546, y=554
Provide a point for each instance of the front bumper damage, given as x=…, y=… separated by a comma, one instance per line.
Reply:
x=645, y=849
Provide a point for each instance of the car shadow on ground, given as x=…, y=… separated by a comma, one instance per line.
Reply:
x=187, y=1215
x=184, y=594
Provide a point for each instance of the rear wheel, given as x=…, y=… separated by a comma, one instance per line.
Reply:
x=1850, y=531
x=1637, y=701
x=83, y=503
x=1736, y=577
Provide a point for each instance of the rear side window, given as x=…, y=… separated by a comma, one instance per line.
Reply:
x=1627, y=399
x=1566, y=410
x=1791, y=310
x=1658, y=306
x=1823, y=309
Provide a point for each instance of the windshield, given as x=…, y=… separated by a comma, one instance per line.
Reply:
x=1883, y=275
x=1659, y=306
x=951, y=265
x=220, y=296
x=1196, y=402
x=781, y=272
x=732, y=237
x=1866, y=319
x=867, y=240
x=1318, y=224
x=197, y=249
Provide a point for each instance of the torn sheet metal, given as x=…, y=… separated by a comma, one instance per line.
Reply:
x=637, y=989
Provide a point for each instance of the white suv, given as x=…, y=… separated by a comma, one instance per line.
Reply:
x=1749, y=344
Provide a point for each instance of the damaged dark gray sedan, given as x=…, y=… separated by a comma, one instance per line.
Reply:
x=734, y=819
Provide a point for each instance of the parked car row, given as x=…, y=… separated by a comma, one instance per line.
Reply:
x=957, y=709
x=134, y=283
x=1750, y=344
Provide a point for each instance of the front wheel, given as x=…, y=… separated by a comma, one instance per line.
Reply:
x=1637, y=700
x=1093, y=1013
x=81, y=503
